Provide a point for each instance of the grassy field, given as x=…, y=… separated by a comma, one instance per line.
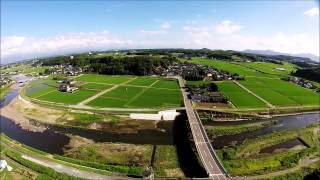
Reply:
x=143, y=81
x=94, y=86
x=132, y=92
x=107, y=79
x=238, y=96
x=231, y=67
x=270, y=67
x=281, y=93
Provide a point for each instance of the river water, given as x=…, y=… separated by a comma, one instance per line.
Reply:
x=282, y=123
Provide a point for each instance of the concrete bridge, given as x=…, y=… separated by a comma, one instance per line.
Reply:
x=207, y=154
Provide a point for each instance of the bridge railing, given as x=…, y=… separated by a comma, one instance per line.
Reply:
x=209, y=142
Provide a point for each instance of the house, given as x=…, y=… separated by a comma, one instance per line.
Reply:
x=68, y=86
x=217, y=97
x=200, y=98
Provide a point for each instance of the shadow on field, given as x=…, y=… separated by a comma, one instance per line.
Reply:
x=187, y=154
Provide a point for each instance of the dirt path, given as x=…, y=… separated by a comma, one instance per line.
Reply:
x=82, y=103
x=246, y=89
x=302, y=163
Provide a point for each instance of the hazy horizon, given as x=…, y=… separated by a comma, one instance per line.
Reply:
x=33, y=29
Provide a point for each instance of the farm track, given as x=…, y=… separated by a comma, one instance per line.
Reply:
x=246, y=89
x=82, y=103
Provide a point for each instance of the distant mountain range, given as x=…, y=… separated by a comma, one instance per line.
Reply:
x=274, y=53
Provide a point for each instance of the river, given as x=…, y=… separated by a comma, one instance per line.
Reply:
x=282, y=123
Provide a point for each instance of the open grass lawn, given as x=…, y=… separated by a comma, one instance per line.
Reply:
x=107, y=79
x=143, y=81
x=67, y=98
x=281, y=93
x=94, y=86
x=232, y=68
x=238, y=96
x=168, y=84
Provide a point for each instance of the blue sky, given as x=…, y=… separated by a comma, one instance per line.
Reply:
x=37, y=28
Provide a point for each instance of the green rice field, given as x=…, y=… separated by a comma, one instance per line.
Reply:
x=131, y=92
x=232, y=67
x=238, y=96
x=281, y=93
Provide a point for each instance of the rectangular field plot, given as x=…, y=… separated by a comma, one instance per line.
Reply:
x=41, y=88
x=238, y=96
x=117, y=97
x=143, y=81
x=107, y=79
x=94, y=86
x=281, y=93
x=138, y=97
x=158, y=98
x=232, y=68
x=167, y=84
x=67, y=98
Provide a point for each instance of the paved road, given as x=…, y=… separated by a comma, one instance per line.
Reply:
x=205, y=150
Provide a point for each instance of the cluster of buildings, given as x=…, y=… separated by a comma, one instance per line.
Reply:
x=207, y=73
x=68, y=86
x=212, y=97
x=67, y=70
x=301, y=82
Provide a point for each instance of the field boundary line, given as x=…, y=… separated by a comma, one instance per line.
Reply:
x=45, y=94
x=246, y=89
x=82, y=103
x=139, y=94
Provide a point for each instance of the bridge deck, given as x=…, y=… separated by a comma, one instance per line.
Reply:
x=205, y=150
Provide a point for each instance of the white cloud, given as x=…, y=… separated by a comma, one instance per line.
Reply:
x=153, y=32
x=312, y=12
x=192, y=36
x=165, y=25
x=227, y=27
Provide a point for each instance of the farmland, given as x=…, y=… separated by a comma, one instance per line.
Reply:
x=127, y=92
x=231, y=67
x=263, y=79
x=239, y=97
x=281, y=93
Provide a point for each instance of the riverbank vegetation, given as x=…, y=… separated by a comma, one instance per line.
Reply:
x=245, y=159
x=166, y=163
x=216, y=130
x=3, y=91
x=47, y=172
